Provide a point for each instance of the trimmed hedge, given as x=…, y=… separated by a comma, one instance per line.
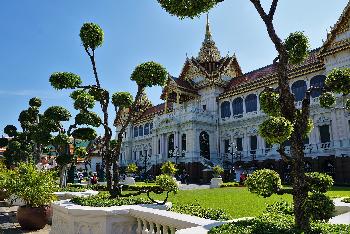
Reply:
x=196, y=210
x=346, y=200
x=229, y=185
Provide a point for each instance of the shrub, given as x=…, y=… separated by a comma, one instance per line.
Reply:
x=318, y=206
x=346, y=200
x=281, y=207
x=35, y=187
x=91, y=35
x=327, y=100
x=276, y=130
x=264, y=182
x=196, y=210
x=229, y=184
x=131, y=168
x=318, y=182
x=218, y=170
x=167, y=183
x=269, y=103
x=297, y=45
x=141, y=187
x=168, y=168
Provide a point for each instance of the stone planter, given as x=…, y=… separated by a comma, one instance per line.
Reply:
x=215, y=182
x=14, y=201
x=129, y=181
x=34, y=218
x=69, y=218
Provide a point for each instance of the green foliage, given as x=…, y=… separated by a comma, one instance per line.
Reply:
x=57, y=113
x=103, y=200
x=98, y=93
x=80, y=152
x=63, y=159
x=122, y=99
x=131, y=168
x=271, y=223
x=229, y=185
x=347, y=105
x=88, y=118
x=84, y=101
x=169, y=168
x=269, y=103
x=309, y=127
x=35, y=187
x=149, y=74
x=74, y=95
x=41, y=136
x=187, y=8
x=276, y=130
x=88, y=134
x=3, y=142
x=281, y=207
x=167, y=183
x=91, y=35
x=144, y=187
x=346, y=200
x=35, y=102
x=60, y=139
x=327, y=100
x=264, y=182
x=10, y=130
x=318, y=182
x=297, y=45
x=218, y=170
x=14, y=145
x=319, y=206
x=195, y=209
x=338, y=80
x=65, y=80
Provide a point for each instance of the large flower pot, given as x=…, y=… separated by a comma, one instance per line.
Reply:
x=34, y=218
x=215, y=182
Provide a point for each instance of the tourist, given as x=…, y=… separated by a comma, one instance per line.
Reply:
x=93, y=179
x=45, y=165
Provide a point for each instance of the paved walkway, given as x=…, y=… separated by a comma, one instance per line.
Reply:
x=342, y=218
x=8, y=222
x=193, y=186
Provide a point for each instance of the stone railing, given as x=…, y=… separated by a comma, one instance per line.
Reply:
x=69, y=218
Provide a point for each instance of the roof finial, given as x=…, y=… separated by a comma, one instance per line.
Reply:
x=207, y=30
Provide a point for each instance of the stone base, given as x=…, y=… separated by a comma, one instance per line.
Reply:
x=129, y=181
x=69, y=195
x=15, y=201
x=215, y=182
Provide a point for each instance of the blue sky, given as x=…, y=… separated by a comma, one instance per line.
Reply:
x=39, y=37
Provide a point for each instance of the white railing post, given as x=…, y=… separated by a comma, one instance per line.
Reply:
x=139, y=228
x=165, y=229
x=158, y=228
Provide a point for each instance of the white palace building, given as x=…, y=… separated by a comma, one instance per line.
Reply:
x=211, y=115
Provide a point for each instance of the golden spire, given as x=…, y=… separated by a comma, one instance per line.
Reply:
x=209, y=52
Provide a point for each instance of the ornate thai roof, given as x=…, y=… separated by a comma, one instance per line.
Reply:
x=208, y=52
x=267, y=75
x=331, y=44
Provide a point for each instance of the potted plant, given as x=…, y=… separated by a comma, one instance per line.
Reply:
x=217, y=180
x=35, y=187
x=131, y=169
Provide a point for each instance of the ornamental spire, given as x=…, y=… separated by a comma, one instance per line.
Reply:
x=209, y=52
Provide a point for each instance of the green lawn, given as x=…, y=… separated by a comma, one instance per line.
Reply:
x=238, y=202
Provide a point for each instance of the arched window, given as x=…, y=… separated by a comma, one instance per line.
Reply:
x=136, y=131
x=237, y=107
x=317, y=81
x=251, y=103
x=204, y=145
x=183, y=143
x=299, y=89
x=146, y=129
x=141, y=130
x=225, y=109
x=171, y=146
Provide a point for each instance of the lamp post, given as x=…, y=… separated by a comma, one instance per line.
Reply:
x=176, y=154
x=145, y=160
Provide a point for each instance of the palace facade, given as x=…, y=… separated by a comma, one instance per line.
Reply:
x=211, y=115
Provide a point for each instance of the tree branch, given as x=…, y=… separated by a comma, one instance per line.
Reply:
x=260, y=9
x=283, y=154
x=273, y=9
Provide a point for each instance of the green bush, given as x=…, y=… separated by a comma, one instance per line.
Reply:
x=269, y=103
x=196, y=210
x=264, y=182
x=103, y=200
x=131, y=168
x=167, y=183
x=229, y=184
x=276, y=223
x=346, y=200
x=168, y=168
x=281, y=207
x=141, y=187
x=318, y=206
x=318, y=182
x=297, y=45
x=327, y=100
x=35, y=187
x=91, y=35
x=276, y=130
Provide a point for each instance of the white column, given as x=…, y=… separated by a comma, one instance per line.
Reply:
x=231, y=109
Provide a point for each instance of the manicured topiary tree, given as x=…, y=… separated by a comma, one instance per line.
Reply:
x=289, y=122
x=127, y=108
x=169, y=168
